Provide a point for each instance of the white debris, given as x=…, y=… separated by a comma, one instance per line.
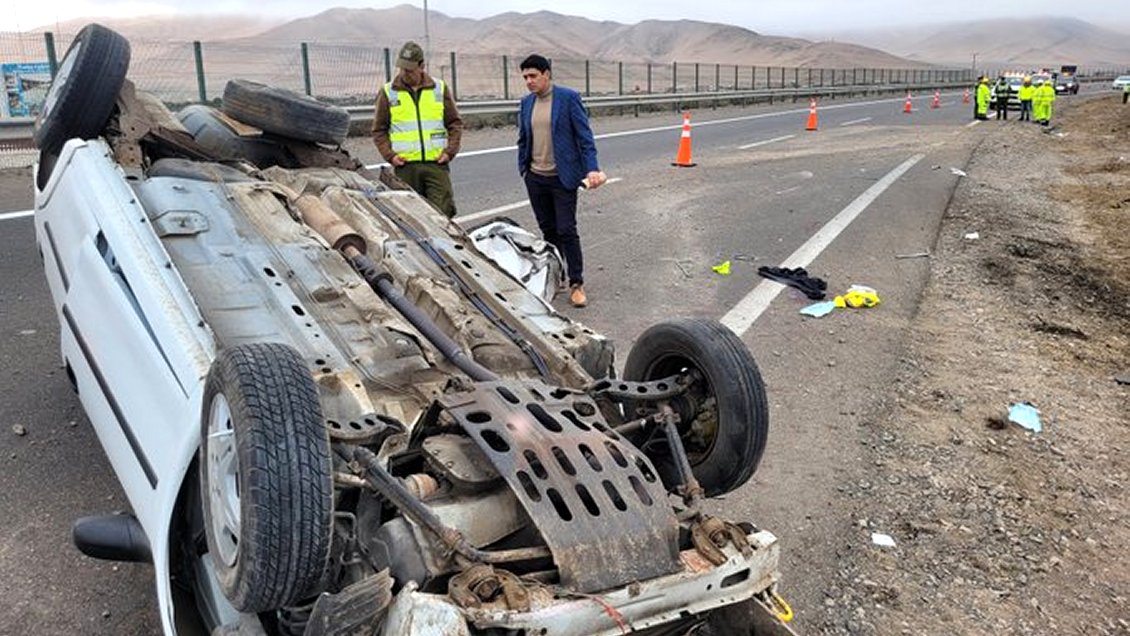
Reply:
x=882, y=540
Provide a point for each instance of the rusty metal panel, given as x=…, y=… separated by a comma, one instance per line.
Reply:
x=596, y=500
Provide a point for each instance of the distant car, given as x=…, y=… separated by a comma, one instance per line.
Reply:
x=1120, y=82
x=1065, y=84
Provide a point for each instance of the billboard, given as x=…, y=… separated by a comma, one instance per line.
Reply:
x=25, y=87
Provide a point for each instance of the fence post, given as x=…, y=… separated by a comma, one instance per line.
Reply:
x=49, y=44
x=717, y=77
x=620, y=72
x=674, y=77
x=588, y=86
x=649, y=78
x=306, y=67
x=696, y=77
x=198, y=53
x=454, y=78
x=505, y=77
x=735, y=77
x=782, y=77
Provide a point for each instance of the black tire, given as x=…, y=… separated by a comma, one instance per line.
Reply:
x=216, y=137
x=85, y=89
x=728, y=405
x=285, y=113
x=271, y=545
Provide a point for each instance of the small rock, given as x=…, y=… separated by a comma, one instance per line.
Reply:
x=19, y=429
x=106, y=614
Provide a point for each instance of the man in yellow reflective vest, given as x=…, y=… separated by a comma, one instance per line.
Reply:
x=982, y=102
x=417, y=129
x=1042, y=102
x=1024, y=94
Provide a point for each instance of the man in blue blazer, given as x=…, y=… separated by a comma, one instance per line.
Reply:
x=556, y=155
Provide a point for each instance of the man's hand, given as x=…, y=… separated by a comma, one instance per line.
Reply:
x=595, y=179
x=397, y=161
x=443, y=158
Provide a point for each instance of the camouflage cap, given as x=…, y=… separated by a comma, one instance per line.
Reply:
x=411, y=56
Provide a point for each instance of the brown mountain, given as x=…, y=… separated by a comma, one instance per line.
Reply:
x=1028, y=43
x=180, y=28
x=553, y=34
x=562, y=36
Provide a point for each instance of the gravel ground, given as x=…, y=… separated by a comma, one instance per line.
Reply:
x=999, y=530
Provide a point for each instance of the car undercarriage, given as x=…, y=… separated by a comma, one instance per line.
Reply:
x=385, y=432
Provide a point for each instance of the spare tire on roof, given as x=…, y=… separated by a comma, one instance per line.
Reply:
x=285, y=113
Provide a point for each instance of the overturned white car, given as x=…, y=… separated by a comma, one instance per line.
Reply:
x=332, y=414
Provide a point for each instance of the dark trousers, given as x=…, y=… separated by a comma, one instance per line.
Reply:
x=1025, y=110
x=1002, y=108
x=556, y=211
x=432, y=181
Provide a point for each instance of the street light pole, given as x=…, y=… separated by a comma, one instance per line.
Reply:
x=974, y=64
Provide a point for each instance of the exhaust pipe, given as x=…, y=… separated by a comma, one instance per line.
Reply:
x=342, y=237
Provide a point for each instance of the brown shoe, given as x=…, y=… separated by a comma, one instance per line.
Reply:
x=577, y=296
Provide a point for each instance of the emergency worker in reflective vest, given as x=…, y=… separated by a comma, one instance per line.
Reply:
x=417, y=129
x=981, y=109
x=1024, y=94
x=1042, y=102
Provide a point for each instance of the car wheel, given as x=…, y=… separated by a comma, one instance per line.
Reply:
x=82, y=94
x=85, y=88
x=285, y=113
x=724, y=416
x=266, y=475
x=216, y=137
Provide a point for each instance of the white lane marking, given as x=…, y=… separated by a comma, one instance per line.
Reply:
x=766, y=141
x=8, y=216
x=679, y=126
x=742, y=316
x=474, y=216
x=787, y=190
x=856, y=121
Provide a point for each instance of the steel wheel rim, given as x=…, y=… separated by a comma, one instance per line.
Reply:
x=61, y=77
x=223, y=482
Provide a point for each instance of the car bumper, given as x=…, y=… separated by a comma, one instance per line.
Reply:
x=698, y=588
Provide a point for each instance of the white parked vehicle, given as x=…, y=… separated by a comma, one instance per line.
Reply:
x=1120, y=82
x=332, y=414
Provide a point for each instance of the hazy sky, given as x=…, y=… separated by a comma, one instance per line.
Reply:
x=779, y=17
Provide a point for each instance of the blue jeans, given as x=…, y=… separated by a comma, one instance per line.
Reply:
x=556, y=211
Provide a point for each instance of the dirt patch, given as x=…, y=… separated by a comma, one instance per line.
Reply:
x=998, y=529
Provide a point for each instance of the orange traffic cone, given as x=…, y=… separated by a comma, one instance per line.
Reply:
x=937, y=101
x=965, y=97
x=907, y=107
x=811, y=115
x=683, y=157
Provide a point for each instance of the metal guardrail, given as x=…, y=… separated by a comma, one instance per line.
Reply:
x=510, y=106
